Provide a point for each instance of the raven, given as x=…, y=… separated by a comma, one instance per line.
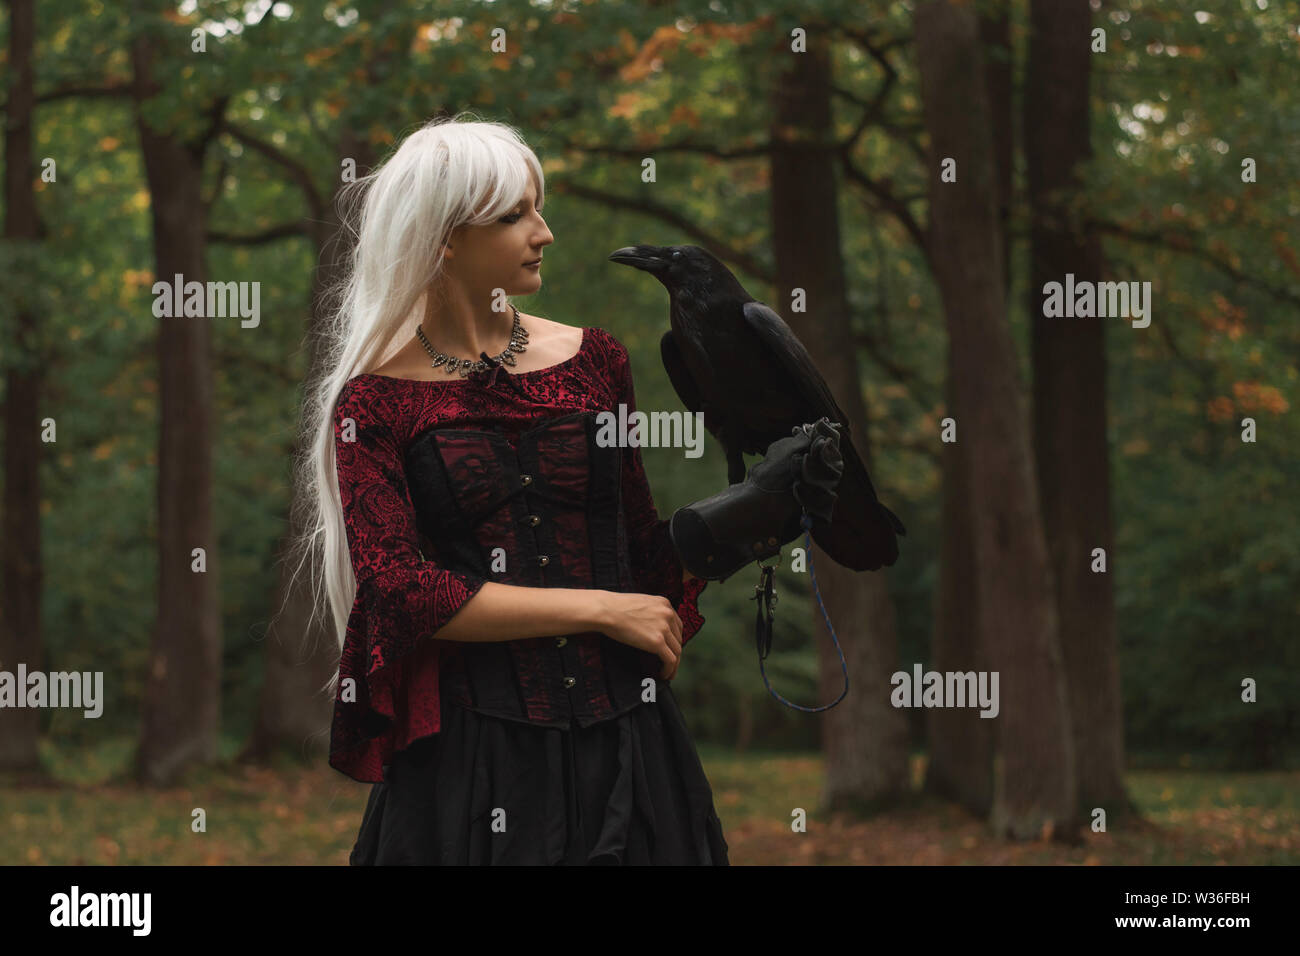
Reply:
x=734, y=359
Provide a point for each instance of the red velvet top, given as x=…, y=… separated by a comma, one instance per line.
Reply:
x=388, y=693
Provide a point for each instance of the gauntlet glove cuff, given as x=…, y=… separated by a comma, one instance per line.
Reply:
x=751, y=520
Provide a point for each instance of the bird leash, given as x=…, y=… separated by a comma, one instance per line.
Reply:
x=764, y=613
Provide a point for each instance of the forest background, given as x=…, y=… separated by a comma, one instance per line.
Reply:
x=817, y=169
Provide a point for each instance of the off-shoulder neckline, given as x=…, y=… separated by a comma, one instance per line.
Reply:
x=505, y=369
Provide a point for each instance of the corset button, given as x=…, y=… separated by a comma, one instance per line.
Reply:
x=534, y=520
x=561, y=641
x=543, y=560
x=569, y=682
x=526, y=479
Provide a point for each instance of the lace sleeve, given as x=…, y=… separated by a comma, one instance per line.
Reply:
x=654, y=560
x=388, y=672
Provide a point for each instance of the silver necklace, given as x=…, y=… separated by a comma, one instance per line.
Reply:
x=518, y=343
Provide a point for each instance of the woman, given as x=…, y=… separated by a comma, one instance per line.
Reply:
x=509, y=605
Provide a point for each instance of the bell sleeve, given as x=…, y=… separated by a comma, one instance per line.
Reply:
x=654, y=560
x=388, y=693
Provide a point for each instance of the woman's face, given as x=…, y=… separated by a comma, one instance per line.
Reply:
x=488, y=257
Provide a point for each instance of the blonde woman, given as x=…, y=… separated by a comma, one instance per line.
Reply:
x=509, y=607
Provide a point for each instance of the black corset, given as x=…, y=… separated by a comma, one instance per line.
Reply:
x=544, y=511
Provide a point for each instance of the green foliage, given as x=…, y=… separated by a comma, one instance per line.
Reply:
x=1208, y=549
x=1207, y=558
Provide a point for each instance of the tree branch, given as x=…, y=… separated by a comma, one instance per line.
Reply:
x=1201, y=369
x=705, y=149
x=1185, y=242
x=720, y=247
x=288, y=230
x=222, y=169
x=917, y=390
x=218, y=113
x=873, y=46
x=889, y=202
x=900, y=132
x=92, y=92
x=296, y=170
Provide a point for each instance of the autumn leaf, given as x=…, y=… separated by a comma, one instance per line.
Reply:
x=628, y=105
x=1285, y=252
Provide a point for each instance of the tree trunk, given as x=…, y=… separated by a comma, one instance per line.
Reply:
x=1069, y=362
x=20, y=624
x=995, y=37
x=960, y=741
x=181, y=708
x=864, y=737
x=292, y=711
x=1033, y=786
x=960, y=767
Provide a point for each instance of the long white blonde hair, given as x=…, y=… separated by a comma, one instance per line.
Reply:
x=450, y=172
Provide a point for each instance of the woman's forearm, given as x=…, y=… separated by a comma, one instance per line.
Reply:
x=507, y=612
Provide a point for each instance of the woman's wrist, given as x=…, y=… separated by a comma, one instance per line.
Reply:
x=598, y=610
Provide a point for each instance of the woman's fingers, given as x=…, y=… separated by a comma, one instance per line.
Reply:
x=673, y=645
x=653, y=625
x=674, y=638
x=670, y=663
x=670, y=667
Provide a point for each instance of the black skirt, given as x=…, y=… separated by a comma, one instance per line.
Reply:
x=488, y=791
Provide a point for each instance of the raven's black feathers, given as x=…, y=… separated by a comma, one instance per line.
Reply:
x=734, y=359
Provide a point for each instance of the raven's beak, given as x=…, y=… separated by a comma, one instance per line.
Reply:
x=646, y=258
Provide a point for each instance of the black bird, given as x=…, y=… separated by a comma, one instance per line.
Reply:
x=734, y=359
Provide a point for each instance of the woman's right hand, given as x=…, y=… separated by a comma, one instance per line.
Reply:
x=647, y=622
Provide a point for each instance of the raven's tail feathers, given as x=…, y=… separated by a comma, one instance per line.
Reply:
x=893, y=520
x=861, y=533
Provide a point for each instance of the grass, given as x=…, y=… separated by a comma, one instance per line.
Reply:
x=294, y=814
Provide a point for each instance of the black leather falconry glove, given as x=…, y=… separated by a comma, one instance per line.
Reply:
x=715, y=537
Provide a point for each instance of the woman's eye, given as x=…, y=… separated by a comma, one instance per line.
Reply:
x=513, y=218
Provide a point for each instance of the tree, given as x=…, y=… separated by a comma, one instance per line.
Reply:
x=1070, y=415
x=864, y=737
x=960, y=741
x=20, y=625
x=1033, y=767
x=181, y=713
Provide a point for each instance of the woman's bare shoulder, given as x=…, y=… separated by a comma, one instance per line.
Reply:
x=550, y=342
x=551, y=331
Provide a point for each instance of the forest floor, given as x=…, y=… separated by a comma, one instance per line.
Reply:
x=292, y=814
